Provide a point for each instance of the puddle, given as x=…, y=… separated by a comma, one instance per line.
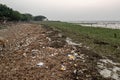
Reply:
x=109, y=69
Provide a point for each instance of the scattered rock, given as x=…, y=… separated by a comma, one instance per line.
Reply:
x=36, y=52
x=24, y=54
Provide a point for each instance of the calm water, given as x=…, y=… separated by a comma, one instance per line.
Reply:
x=105, y=24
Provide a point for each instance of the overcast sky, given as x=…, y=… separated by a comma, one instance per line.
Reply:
x=69, y=10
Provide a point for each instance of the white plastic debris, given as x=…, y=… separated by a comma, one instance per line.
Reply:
x=107, y=71
x=71, y=57
x=63, y=68
x=69, y=41
x=75, y=71
x=54, y=54
x=109, y=61
x=86, y=47
x=40, y=64
x=81, y=56
x=35, y=51
x=75, y=65
x=75, y=54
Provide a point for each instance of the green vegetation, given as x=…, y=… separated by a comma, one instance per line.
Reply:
x=39, y=18
x=101, y=40
x=8, y=14
x=26, y=17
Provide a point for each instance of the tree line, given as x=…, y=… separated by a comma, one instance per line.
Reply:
x=8, y=14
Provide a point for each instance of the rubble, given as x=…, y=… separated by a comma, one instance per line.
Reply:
x=109, y=69
x=35, y=52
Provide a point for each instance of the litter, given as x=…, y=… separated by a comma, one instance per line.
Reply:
x=107, y=71
x=71, y=57
x=75, y=65
x=40, y=64
x=69, y=41
x=63, y=68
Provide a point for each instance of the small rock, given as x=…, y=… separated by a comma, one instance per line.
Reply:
x=88, y=76
x=49, y=39
x=52, y=55
x=24, y=54
x=55, y=53
x=72, y=51
x=60, y=35
x=75, y=65
x=43, y=47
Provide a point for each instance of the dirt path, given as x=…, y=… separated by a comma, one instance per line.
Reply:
x=36, y=53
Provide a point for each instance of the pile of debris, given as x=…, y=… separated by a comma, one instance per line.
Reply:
x=34, y=52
